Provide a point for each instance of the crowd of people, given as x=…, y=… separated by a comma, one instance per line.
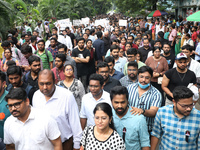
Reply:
x=99, y=87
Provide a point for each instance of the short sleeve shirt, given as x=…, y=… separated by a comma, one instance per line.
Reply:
x=43, y=57
x=82, y=68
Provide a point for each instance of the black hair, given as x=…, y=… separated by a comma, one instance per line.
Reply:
x=25, y=49
x=161, y=34
x=55, y=35
x=14, y=70
x=173, y=26
x=133, y=64
x=157, y=41
x=167, y=43
x=109, y=59
x=132, y=51
x=131, y=36
x=33, y=38
x=155, y=48
x=102, y=65
x=97, y=77
x=5, y=44
x=114, y=47
x=106, y=108
x=16, y=93
x=186, y=30
x=115, y=40
x=118, y=90
x=69, y=65
x=32, y=58
x=88, y=41
x=55, y=28
x=187, y=47
x=62, y=46
x=53, y=39
x=80, y=39
x=67, y=28
x=2, y=76
x=23, y=35
x=10, y=63
x=99, y=34
x=182, y=92
x=41, y=41
x=136, y=39
x=62, y=57
x=9, y=50
x=145, y=39
x=92, y=31
x=187, y=34
x=128, y=43
x=145, y=69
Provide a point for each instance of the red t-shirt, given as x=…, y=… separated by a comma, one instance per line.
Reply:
x=194, y=36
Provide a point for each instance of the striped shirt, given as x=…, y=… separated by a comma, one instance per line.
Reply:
x=125, y=81
x=172, y=129
x=151, y=97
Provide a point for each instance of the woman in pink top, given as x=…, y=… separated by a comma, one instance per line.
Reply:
x=160, y=66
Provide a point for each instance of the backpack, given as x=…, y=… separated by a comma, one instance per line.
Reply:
x=46, y=52
x=4, y=60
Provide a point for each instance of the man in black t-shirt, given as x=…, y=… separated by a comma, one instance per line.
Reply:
x=179, y=76
x=145, y=49
x=81, y=56
x=168, y=55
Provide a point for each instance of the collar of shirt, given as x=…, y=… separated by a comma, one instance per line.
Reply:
x=127, y=115
x=3, y=96
x=30, y=117
x=102, y=96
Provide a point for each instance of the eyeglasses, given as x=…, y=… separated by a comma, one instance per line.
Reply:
x=93, y=86
x=69, y=70
x=132, y=70
x=130, y=56
x=16, y=105
x=187, y=106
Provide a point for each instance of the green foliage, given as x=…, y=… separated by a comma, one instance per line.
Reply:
x=137, y=7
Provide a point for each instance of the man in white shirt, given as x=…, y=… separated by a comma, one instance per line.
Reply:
x=29, y=128
x=61, y=105
x=91, y=99
x=64, y=40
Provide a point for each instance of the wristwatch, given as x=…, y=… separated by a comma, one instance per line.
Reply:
x=143, y=111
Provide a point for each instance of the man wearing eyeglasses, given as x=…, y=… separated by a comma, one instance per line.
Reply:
x=28, y=127
x=143, y=97
x=132, y=71
x=95, y=96
x=177, y=125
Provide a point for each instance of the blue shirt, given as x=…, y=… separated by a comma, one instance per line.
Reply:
x=172, y=129
x=197, y=57
x=117, y=75
x=152, y=97
x=3, y=109
x=99, y=48
x=119, y=64
x=136, y=135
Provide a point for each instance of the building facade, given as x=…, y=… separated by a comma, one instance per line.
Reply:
x=186, y=7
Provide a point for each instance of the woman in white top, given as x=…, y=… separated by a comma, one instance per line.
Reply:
x=102, y=136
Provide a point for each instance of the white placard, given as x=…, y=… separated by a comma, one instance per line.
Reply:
x=77, y=22
x=122, y=22
x=85, y=20
x=65, y=23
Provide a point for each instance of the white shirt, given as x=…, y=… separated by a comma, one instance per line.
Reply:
x=47, y=43
x=189, y=42
x=34, y=134
x=88, y=105
x=63, y=108
x=65, y=40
